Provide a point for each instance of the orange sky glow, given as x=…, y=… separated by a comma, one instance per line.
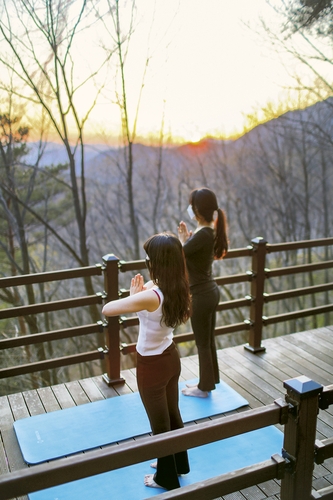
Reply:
x=208, y=71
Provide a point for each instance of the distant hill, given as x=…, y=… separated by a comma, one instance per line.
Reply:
x=55, y=153
x=97, y=155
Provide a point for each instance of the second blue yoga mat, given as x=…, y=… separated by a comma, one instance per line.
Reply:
x=206, y=461
x=64, y=432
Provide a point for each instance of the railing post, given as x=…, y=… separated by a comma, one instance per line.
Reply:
x=257, y=294
x=111, y=326
x=299, y=437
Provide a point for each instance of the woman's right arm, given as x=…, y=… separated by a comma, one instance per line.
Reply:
x=183, y=233
x=140, y=299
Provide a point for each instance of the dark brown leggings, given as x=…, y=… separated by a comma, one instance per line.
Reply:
x=158, y=378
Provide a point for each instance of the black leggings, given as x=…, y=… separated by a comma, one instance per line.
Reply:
x=205, y=299
x=157, y=378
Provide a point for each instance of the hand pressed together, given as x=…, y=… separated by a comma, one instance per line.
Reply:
x=183, y=232
x=137, y=284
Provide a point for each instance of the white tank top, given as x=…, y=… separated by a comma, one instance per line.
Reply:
x=154, y=337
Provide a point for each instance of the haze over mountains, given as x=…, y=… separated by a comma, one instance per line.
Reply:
x=319, y=115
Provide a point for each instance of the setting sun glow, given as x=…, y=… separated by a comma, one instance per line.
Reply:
x=207, y=69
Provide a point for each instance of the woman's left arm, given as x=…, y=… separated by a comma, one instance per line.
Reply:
x=195, y=243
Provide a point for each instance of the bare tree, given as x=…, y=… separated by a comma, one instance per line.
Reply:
x=40, y=40
x=144, y=208
x=22, y=186
x=40, y=50
x=120, y=38
x=308, y=15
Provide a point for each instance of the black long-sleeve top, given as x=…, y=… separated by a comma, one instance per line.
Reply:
x=199, y=254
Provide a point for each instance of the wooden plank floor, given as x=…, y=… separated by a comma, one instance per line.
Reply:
x=257, y=377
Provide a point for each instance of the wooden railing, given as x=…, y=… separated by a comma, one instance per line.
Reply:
x=254, y=302
x=294, y=466
x=59, y=305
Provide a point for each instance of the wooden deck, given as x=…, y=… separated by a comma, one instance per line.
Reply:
x=257, y=377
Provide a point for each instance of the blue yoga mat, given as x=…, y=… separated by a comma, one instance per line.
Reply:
x=205, y=462
x=61, y=433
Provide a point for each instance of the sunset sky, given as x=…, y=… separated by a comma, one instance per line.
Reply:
x=207, y=69
x=200, y=68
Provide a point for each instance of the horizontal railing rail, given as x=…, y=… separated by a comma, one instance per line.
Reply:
x=52, y=363
x=323, y=450
x=56, y=305
x=297, y=292
x=308, y=268
x=75, y=331
x=51, y=306
x=298, y=245
x=278, y=318
x=253, y=302
x=65, y=274
x=250, y=309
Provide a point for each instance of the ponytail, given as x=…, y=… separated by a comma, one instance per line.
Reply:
x=221, y=238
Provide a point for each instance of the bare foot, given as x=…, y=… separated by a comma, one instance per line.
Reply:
x=153, y=465
x=195, y=391
x=149, y=481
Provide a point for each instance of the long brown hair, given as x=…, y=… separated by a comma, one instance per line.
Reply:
x=167, y=269
x=204, y=203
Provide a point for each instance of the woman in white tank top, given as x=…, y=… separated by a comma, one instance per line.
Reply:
x=162, y=304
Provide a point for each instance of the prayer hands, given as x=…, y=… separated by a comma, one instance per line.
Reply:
x=183, y=232
x=137, y=284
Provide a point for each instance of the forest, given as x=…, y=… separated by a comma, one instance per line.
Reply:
x=274, y=181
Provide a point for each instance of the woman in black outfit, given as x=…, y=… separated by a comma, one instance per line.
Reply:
x=208, y=242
